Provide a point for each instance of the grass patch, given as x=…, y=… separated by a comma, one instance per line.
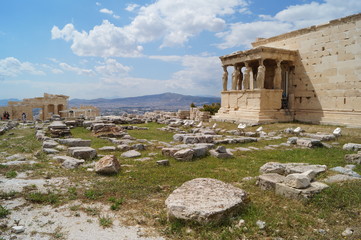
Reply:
x=4, y=212
x=115, y=203
x=83, y=133
x=11, y=174
x=43, y=198
x=105, y=221
x=93, y=194
x=152, y=133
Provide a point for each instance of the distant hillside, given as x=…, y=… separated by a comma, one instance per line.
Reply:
x=165, y=101
x=4, y=102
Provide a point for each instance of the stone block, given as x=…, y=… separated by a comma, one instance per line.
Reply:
x=205, y=200
x=86, y=153
x=75, y=142
x=290, y=192
x=353, y=158
x=268, y=181
x=297, y=180
x=352, y=146
x=184, y=155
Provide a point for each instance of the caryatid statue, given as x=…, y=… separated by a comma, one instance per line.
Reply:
x=235, y=77
x=261, y=75
x=277, y=81
x=225, y=78
x=246, y=76
x=240, y=79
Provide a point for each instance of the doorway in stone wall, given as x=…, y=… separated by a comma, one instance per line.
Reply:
x=37, y=112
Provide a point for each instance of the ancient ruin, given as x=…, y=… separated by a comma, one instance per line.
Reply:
x=309, y=75
x=47, y=106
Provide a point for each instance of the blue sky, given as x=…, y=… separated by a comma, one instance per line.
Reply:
x=112, y=48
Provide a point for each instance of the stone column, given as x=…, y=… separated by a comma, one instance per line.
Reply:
x=45, y=112
x=235, y=77
x=260, y=75
x=246, y=77
x=277, y=81
x=225, y=78
x=56, y=110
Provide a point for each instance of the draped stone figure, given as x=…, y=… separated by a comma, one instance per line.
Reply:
x=240, y=80
x=225, y=78
x=246, y=77
x=278, y=77
x=260, y=76
x=235, y=77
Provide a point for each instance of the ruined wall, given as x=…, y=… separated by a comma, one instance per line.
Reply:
x=326, y=81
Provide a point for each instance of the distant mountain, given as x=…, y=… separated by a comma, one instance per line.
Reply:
x=166, y=101
x=4, y=102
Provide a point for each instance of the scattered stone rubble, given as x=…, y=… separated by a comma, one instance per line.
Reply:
x=292, y=180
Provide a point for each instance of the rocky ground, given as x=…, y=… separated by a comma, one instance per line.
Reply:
x=44, y=172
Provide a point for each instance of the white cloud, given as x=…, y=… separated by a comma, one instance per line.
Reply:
x=132, y=7
x=79, y=71
x=112, y=68
x=12, y=67
x=200, y=73
x=172, y=22
x=243, y=34
x=105, y=40
x=291, y=18
x=106, y=11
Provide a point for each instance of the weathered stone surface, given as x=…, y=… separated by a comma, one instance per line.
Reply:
x=221, y=149
x=297, y=180
x=131, y=154
x=123, y=147
x=138, y=146
x=346, y=171
x=107, y=148
x=184, y=155
x=108, y=164
x=178, y=137
x=16, y=157
x=69, y=162
x=86, y=153
x=75, y=142
x=205, y=200
x=216, y=154
x=200, y=151
x=289, y=168
x=304, y=167
x=290, y=192
x=320, y=136
x=50, y=151
x=353, y=158
x=49, y=144
x=352, y=147
x=268, y=181
x=164, y=162
x=169, y=152
x=339, y=178
x=309, y=142
x=273, y=167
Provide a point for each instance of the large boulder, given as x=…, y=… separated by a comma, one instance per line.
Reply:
x=309, y=142
x=205, y=200
x=107, y=165
x=85, y=153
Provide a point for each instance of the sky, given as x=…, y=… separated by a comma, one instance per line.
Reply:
x=123, y=48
